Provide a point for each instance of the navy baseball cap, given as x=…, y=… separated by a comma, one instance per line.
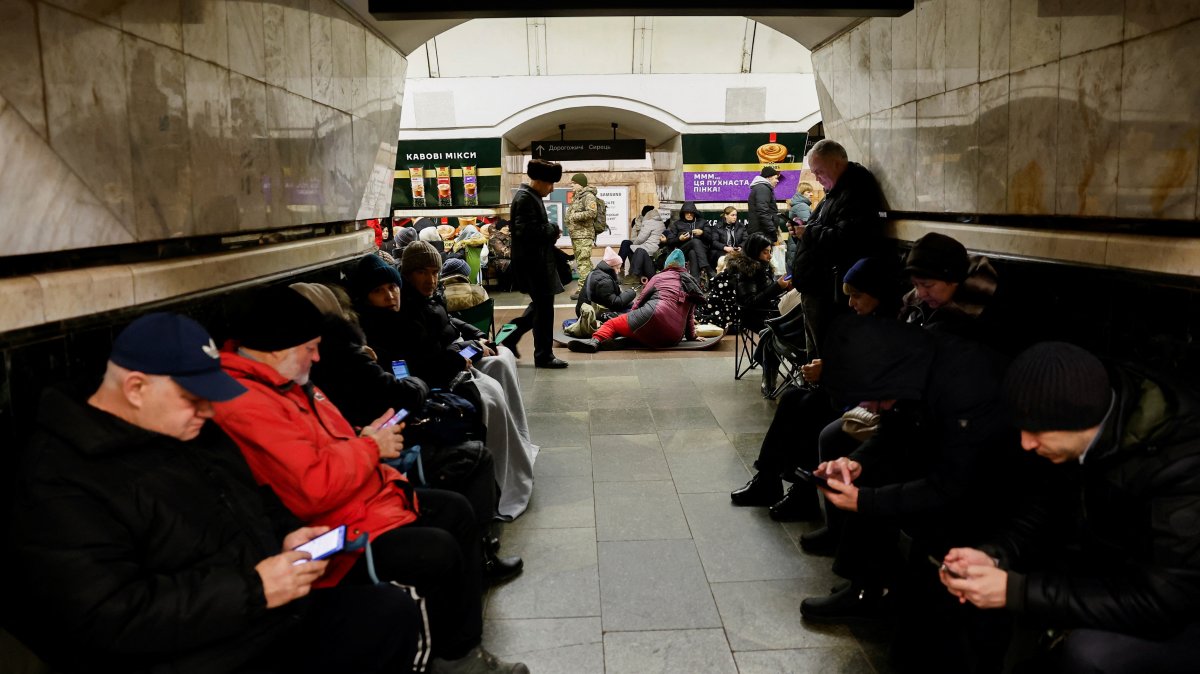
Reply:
x=180, y=348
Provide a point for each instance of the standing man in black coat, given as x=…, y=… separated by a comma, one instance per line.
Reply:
x=764, y=217
x=1120, y=536
x=139, y=541
x=533, y=267
x=845, y=228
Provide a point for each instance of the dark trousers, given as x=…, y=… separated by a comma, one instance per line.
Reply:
x=440, y=555
x=1088, y=651
x=696, y=254
x=640, y=263
x=791, y=439
x=539, y=316
x=349, y=628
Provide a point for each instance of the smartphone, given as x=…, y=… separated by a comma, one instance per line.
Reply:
x=400, y=369
x=787, y=277
x=505, y=330
x=396, y=418
x=811, y=478
x=941, y=566
x=322, y=546
x=468, y=352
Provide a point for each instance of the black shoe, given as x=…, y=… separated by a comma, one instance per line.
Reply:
x=491, y=543
x=820, y=542
x=853, y=604
x=498, y=569
x=574, y=296
x=768, y=385
x=553, y=364
x=761, y=490
x=512, y=346
x=583, y=345
x=799, y=504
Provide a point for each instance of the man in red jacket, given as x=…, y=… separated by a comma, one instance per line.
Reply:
x=297, y=442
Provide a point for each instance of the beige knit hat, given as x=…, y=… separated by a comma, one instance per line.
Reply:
x=420, y=255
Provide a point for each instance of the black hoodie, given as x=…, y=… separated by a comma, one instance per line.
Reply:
x=680, y=226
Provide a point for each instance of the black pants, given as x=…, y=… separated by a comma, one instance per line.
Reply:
x=696, y=254
x=440, y=555
x=539, y=316
x=791, y=440
x=640, y=262
x=349, y=628
x=1087, y=650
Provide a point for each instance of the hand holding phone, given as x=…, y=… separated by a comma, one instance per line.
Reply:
x=469, y=352
x=399, y=369
x=941, y=566
x=328, y=543
x=395, y=419
x=811, y=478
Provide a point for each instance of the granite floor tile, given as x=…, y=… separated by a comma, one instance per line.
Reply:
x=743, y=543
x=573, y=645
x=639, y=511
x=559, y=503
x=706, y=470
x=765, y=615
x=563, y=462
x=803, y=661
x=747, y=445
x=558, y=429
x=685, y=395
x=675, y=652
x=621, y=421
x=560, y=579
x=651, y=585
x=628, y=458
x=694, y=440
x=626, y=387
x=683, y=418
x=556, y=396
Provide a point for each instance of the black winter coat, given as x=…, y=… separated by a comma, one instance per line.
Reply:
x=601, y=286
x=764, y=217
x=422, y=333
x=360, y=387
x=680, y=226
x=844, y=228
x=534, y=267
x=131, y=551
x=754, y=286
x=1134, y=507
x=721, y=235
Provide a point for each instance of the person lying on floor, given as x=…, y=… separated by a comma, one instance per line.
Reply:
x=603, y=289
x=662, y=316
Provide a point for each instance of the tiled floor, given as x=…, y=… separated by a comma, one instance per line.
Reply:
x=635, y=561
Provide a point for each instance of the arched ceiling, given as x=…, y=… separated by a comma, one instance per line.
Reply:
x=586, y=122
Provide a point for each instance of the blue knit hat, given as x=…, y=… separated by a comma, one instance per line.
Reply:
x=370, y=273
x=455, y=266
x=675, y=259
x=877, y=277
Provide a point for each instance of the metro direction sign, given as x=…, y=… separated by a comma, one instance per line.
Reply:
x=578, y=150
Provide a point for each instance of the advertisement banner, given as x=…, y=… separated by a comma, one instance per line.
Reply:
x=721, y=166
x=447, y=173
x=617, y=200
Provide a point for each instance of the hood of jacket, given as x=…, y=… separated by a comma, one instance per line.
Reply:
x=690, y=207
x=799, y=198
x=1148, y=410
x=870, y=358
x=652, y=215
x=742, y=264
x=759, y=180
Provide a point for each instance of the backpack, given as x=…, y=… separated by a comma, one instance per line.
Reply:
x=446, y=419
x=601, y=224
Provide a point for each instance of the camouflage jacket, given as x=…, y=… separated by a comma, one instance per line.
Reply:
x=581, y=214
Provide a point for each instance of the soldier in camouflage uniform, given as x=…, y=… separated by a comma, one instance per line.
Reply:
x=581, y=225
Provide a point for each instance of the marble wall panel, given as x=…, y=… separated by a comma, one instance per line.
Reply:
x=80, y=292
x=247, y=39
x=904, y=147
x=299, y=55
x=214, y=206
x=993, y=146
x=22, y=305
x=881, y=64
x=107, y=12
x=860, y=72
x=206, y=30
x=883, y=159
x=280, y=156
x=274, y=45
x=1160, y=132
x=158, y=21
x=928, y=164
x=840, y=74
x=931, y=47
x=1089, y=112
x=358, y=69
x=858, y=139
x=22, y=86
x=373, y=96
x=343, y=66
x=158, y=131
x=335, y=142
x=304, y=186
x=365, y=139
x=87, y=104
x=962, y=43
x=961, y=155
x=904, y=59
x=321, y=49
x=1036, y=36
x=250, y=152
x=1090, y=24
x=995, y=30
x=823, y=80
x=53, y=194
x=1146, y=16
x=1033, y=140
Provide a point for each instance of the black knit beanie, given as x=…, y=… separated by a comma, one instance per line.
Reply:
x=279, y=318
x=937, y=256
x=370, y=273
x=875, y=276
x=1055, y=386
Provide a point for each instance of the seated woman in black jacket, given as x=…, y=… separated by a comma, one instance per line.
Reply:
x=601, y=286
x=757, y=287
x=408, y=322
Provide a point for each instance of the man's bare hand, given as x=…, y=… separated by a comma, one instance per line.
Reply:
x=812, y=371
x=983, y=585
x=842, y=495
x=301, y=536
x=283, y=580
x=844, y=469
x=388, y=440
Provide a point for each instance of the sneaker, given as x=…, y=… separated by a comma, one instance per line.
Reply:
x=477, y=661
x=852, y=604
x=760, y=491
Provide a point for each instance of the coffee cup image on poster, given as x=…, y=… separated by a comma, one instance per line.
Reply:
x=720, y=166
x=447, y=173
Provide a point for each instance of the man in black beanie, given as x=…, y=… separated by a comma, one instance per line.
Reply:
x=533, y=267
x=1129, y=590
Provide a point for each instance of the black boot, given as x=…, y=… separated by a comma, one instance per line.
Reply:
x=761, y=490
x=769, y=382
x=798, y=505
x=820, y=542
x=584, y=346
x=855, y=603
x=497, y=569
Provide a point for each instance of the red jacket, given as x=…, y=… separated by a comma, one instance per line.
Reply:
x=311, y=457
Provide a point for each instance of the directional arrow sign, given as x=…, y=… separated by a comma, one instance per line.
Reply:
x=576, y=150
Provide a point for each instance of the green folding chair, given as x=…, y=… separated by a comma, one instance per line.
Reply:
x=481, y=316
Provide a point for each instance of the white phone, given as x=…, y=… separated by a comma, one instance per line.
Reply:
x=322, y=546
